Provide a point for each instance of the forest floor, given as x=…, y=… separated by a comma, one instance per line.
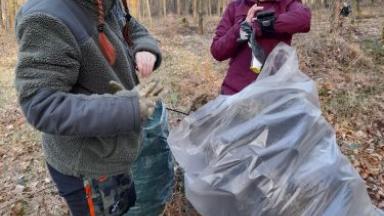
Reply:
x=349, y=73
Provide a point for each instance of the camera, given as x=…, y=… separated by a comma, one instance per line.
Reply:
x=266, y=20
x=265, y=14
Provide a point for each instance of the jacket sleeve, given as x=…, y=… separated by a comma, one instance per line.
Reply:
x=224, y=43
x=48, y=66
x=296, y=19
x=143, y=41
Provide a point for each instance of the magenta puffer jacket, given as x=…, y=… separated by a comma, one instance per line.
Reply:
x=291, y=17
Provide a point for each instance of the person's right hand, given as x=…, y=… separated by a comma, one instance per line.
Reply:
x=148, y=96
x=252, y=12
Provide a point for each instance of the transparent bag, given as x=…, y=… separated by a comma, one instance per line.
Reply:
x=268, y=151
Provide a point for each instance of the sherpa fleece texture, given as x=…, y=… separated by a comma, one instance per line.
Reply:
x=62, y=80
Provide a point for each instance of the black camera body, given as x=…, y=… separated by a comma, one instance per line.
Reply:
x=266, y=20
x=265, y=14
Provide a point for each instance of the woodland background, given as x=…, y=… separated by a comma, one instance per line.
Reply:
x=162, y=8
x=345, y=56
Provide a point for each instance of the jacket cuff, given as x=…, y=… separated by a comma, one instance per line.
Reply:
x=133, y=119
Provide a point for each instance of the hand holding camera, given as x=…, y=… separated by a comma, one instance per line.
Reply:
x=252, y=12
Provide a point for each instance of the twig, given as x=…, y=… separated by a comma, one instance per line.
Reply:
x=354, y=62
x=177, y=111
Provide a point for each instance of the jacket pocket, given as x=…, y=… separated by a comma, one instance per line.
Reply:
x=117, y=148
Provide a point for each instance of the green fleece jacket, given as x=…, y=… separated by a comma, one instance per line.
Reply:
x=62, y=79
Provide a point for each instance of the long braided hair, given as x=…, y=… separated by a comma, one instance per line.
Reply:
x=106, y=46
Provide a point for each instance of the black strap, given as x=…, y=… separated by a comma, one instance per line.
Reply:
x=128, y=16
x=266, y=20
x=257, y=50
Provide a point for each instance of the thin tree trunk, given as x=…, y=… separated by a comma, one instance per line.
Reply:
x=178, y=6
x=326, y=3
x=1, y=15
x=185, y=7
x=194, y=8
x=209, y=8
x=164, y=8
x=382, y=34
x=134, y=8
x=6, y=15
x=358, y=8
x=12, y=13
x=335, y=18
x=200, y=9
x=149, y=12
x=356, y=5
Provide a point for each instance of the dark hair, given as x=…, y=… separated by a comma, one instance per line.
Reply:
x=127, y=29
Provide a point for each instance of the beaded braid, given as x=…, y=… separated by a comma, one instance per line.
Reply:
x=127, y=28
x=106, y=46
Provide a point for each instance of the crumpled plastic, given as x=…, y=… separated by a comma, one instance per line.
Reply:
x=268, y=151
x=153, y=172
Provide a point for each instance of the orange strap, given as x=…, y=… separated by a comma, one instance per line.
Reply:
x=88, y=192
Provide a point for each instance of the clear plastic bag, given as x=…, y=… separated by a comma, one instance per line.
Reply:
x=268, y=151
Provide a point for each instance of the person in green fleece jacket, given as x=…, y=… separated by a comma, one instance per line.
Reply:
x=69, y=52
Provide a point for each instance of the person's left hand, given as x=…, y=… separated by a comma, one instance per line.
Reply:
x=145, y=62
x=252, y=12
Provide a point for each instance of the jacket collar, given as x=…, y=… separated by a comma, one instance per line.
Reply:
x=91, y=5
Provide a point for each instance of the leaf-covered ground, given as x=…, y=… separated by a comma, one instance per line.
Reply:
x=349, y=73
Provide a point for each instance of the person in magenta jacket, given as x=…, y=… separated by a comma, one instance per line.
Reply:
x=290, y=17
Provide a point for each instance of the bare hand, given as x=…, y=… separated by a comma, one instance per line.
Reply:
x=145, y=62
x=252, y=12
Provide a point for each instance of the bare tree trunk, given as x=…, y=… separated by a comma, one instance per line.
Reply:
x=382, y=34
x=139, y=13
x=164, y=3
x=221, y=7
x=326, y=3
x=178, y=6
x=336, y=21
x=201, y=16
x=134, y=7
x=218, y=6
x=12, y=14
x=149, y=12
x=357, y=8
x=1, y=15
x=5, y=9
x=209, y=7
x=186, y=7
